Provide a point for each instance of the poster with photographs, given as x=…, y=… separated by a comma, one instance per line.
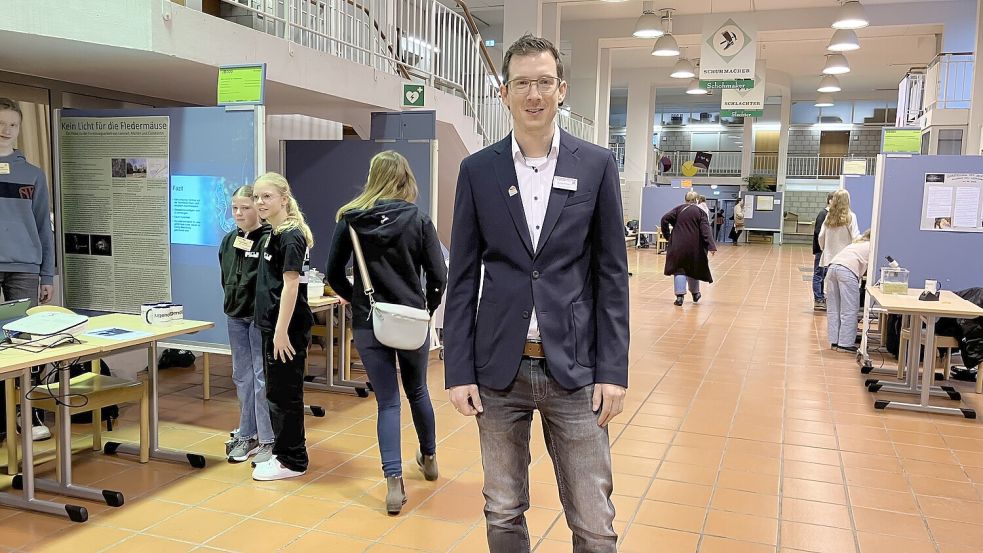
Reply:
x=115, y=185
x=953, y=202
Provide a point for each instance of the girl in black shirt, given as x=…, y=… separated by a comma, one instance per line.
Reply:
x=284, y=319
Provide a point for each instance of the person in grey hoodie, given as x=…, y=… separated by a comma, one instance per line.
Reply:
x=27, y=251
x=399, y=242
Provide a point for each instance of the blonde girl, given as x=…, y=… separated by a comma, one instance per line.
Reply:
x=239, y=258
x=839, y=229
x=284, y=319
x=398, y=242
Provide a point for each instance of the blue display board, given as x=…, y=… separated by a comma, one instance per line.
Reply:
x=656, y=202
x=327, y=174
x=213, y=151
x=861, y=189
x=762, y=219
x=952, y=258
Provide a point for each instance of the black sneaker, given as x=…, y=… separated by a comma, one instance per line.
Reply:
x=849, y=349
x=696, y=297
x=679, y=301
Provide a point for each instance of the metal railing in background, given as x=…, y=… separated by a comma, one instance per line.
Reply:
x=722, y=163
x=420, y=40
x=949, y=82
x=728, y=164
x=618, y=148
x=824, y=167
x=911, y=97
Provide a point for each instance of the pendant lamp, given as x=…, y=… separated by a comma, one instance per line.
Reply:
x=829, y=83
x=649, y=25
x=836, y=64
x=851, y=15
x=844, y=40
x=824, y=101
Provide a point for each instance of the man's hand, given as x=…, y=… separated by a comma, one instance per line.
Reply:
x=610, y=400
x=466, y=400
x=45, y=293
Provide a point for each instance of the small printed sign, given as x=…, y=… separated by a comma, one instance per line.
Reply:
x=414, y=96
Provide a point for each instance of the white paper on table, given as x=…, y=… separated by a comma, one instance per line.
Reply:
x=939, y=202
x=967, y=207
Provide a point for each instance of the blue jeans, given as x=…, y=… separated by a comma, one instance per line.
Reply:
x=247, y=374
x=818, y=276
x=576, y=444
x=380, y=365
x=681, y=281
x=842, y=305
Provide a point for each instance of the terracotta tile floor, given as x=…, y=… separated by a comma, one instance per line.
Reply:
x=742, y=433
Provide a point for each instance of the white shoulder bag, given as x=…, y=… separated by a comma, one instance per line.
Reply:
x=396, y=326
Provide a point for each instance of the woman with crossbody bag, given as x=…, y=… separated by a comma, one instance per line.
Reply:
x=393, y=243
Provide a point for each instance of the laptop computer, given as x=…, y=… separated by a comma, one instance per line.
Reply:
x=11, y=311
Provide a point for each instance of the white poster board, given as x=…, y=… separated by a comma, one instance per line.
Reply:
x=735, y=102
x=728, y=51
x=749, y=206
x=115, y=174
x=953, y=202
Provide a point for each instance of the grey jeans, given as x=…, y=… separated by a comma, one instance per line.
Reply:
x=842, y=305
x=579, y=449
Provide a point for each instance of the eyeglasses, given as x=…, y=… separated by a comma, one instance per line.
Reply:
x=545, y=85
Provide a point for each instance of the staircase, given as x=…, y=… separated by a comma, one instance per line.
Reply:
x=421, y=41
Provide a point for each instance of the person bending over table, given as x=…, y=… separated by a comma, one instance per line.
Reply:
x=843, y=293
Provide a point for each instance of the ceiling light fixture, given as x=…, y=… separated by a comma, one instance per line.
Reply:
x=695, y=88
x=666, y=46
x=844, y=40
x=649, y=25
x=683, y=69
x=836, y=64
x=829, y=83
x=851, y=15
x=824, y=101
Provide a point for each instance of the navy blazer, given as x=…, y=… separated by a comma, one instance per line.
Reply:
x=577, y=276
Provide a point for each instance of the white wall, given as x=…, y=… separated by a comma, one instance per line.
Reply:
x=296, y=127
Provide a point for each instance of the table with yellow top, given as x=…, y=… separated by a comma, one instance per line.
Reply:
x=927, y=313
x=16, y=362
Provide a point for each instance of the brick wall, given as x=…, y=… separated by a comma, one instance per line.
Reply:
x=671, y=141
x=803, y=142
x=865, y=142
x=807, y=205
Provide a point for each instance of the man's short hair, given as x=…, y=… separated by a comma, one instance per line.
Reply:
x=6, y=104
x=528, y=45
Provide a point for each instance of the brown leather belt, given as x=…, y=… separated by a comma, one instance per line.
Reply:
x=534, y=350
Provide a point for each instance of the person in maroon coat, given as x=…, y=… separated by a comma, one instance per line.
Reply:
x=689, y=242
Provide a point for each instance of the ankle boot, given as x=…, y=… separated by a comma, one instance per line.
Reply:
x=396, y=496
x=428, y=464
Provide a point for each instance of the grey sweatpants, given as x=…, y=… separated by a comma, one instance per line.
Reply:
x=842, y=305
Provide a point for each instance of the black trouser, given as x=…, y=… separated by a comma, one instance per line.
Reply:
x=285, y=393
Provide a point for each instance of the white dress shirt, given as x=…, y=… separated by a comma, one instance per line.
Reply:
x=535, y=181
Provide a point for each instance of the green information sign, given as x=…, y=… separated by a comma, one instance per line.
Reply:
x=738, y=84
x=414, y=96
x=902, y=141
x=742, y=112
x=241, y=84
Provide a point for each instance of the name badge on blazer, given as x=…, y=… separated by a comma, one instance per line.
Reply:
x=565, y=183
x=4, y=168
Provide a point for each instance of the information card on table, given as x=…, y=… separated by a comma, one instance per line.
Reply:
x=114, y=192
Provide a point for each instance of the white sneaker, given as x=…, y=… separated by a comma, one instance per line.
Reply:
x=273, y=470
x=40, y=433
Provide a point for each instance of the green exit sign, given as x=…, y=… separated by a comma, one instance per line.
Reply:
x=414, y=96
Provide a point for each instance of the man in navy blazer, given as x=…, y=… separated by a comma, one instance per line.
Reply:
x=537, y=307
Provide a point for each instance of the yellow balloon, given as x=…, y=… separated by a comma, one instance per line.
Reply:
x=689, y=169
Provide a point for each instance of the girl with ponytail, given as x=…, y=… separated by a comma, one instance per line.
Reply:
x=284, y=319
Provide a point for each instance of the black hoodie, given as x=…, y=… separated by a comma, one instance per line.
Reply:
x=397, y=241
x=239, y=268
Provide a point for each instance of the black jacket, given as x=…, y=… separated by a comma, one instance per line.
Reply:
x=969, y=332
x=239, y=269
x=398, y=241
x=820, y=219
